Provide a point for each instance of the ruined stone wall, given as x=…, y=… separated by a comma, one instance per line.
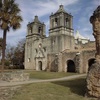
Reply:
x=58, y=62
x=90, y=44
x=86, y=56
x=52, y=62
x=65, y=57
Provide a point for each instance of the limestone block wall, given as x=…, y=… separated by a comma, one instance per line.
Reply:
x=86, y=56
x=65, y=57
x=52, y=64
x=60, y=43
x=81, y=60
x=90, y=44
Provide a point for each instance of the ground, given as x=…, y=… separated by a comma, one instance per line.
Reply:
x=70, y=87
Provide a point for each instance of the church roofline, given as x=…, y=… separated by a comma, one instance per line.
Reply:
x=60, y=10
x=79, y=36
x=36, y=20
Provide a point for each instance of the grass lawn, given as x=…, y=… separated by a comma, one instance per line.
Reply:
x=61, y=90
x=48, y=75
x=43, y=74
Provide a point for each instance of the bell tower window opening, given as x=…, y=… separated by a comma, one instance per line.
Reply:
x=66, y=19
x=39, y=30
x=52, y=22
x=30, y=29
x=56, y=22
x=67, y=22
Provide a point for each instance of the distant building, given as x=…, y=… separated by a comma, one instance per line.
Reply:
x=60, y=51
x=80, y=38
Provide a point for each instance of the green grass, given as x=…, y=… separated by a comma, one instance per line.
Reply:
x=48, y=75
x=43, y=74
x=61, y=90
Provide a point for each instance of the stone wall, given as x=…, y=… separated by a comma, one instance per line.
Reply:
x=65, y=57
x=52, y=62
x=90, y=44
x=7, y=93
x=15, y=76
x=86, y=56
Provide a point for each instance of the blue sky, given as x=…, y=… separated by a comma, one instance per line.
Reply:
x=81, y=11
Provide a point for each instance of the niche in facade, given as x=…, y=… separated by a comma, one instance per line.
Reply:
x=40, y=65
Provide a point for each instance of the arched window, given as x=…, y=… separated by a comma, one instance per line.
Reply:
x=56, y=19
x=30, y=29
x=67, y=22
x=56, y=22
x=39, y=30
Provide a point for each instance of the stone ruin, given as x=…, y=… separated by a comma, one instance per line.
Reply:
x=93, y=76
x=14, y=76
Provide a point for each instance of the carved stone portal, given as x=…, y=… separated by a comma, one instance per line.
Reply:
x=93, y=76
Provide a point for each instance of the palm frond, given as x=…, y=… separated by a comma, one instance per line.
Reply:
x=9, y=15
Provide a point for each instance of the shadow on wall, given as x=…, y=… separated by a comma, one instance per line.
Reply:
x=54, y=66
x=76, y=86
x=90, y=62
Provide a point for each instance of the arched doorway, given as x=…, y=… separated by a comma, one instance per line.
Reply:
x=70, y=66
x=40, y=65
x=90, y=62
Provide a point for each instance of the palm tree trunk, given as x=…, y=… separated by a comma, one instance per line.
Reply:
x=3, y=49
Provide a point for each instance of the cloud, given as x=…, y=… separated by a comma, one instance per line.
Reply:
x=80, y=9
x=30, y=8
x=81, y=21
x=96, y=2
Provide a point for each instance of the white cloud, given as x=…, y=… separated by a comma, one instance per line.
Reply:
x=43, y=8
x=30, y=8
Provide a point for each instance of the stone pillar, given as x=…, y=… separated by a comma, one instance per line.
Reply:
x=95, y=21
x=93, y=76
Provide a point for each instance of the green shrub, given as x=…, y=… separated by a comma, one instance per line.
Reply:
x=7, y=63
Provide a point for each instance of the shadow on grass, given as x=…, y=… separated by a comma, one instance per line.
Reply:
x=77, y=86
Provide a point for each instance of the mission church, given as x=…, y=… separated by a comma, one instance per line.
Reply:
x=61, y=51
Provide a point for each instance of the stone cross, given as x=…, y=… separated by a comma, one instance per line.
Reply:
x=95, y=21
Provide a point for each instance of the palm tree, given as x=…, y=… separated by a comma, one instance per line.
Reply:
x=9, y=18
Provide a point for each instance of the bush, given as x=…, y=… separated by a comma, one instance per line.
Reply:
x=7, y=63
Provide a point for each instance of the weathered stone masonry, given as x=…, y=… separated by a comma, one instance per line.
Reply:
x=58, y=51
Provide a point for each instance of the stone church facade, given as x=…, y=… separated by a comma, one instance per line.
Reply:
x=58, y=52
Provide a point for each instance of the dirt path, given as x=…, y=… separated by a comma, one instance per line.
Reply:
x=4, y=83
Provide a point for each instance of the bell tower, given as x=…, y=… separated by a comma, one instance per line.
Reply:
x=61, y=22
x=36, y=28
x=61, y=30
x=35, y=34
